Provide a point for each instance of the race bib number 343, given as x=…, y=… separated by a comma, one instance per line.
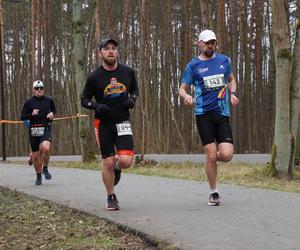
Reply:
x=124, y=128
x=214, y=81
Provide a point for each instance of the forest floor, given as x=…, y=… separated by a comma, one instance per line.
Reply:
x=31, y=223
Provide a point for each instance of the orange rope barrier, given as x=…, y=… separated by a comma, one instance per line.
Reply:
x=55, y=119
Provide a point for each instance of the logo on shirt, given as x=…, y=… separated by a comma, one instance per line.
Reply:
x=201, y=70
x=221, y=66
x=222, y=93
x=115, y=88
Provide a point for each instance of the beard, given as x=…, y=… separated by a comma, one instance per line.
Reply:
x=209, y=54
x=109, y=60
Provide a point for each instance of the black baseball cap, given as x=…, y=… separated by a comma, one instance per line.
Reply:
x=106, y=41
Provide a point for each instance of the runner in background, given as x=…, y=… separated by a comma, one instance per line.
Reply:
x=39, y=110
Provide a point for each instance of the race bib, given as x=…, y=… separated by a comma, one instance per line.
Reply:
x=214, y=81
x=37, y=131
x=124, y=128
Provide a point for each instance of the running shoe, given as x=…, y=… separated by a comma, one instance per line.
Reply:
x=48, y=176
x=112, y=202
x=214, y=199
x=38, y=180
x=117, y=175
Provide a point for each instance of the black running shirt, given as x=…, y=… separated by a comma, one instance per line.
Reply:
x=111, y=88
x=45, y=104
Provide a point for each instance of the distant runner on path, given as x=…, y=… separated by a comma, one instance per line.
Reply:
x=38, y=112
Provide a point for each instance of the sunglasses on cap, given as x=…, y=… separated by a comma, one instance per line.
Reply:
x=38, y=88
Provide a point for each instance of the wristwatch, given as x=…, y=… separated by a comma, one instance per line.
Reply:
x=234, y=93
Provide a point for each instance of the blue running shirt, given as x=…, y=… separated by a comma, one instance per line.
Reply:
x=210, y=78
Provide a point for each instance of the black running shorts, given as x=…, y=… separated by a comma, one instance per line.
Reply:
x=108, y=139
x=35, y=141
x=214, y=127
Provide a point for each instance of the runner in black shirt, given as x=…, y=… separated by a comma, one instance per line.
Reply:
x=39, y=110
x=111, y=90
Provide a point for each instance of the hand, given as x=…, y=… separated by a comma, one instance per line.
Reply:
x=129, y=103
x=234, y=98
x=50, y=116
x=35, y=112
x=188, y=100
x=101, y=108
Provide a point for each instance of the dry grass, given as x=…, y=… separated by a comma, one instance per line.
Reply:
x=248, y=175
x=29, y=223
x=239, y=174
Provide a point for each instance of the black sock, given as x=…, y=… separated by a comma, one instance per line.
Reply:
x=38, y=174
x=45, y=168
x=109, y=196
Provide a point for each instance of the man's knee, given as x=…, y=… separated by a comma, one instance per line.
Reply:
x=225, y=152
x=45, y=149
x=225, y=156
x=125, y=161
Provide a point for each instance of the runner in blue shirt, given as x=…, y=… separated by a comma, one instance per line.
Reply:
x=215, y=87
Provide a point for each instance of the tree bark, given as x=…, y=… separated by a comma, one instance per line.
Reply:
x=87, y=150
x=282, y=137
x=295, y=93
x=33, y=39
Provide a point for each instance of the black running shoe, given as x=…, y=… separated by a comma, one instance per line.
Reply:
x=214, y=199
x=117, y=176
x=38, y=180
x=112, y=202
x=48, y=176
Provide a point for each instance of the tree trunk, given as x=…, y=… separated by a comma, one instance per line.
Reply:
x=295, y=93
x=204, y=15
x=87, y=150
x=141, y=71
x=221, y=26
x=33, y=39
x=125, y=29
x=282, y=138
x=258, y=70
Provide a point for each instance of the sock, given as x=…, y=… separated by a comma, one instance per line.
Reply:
x=38, y=174
x=214, y=190
x=109, y=196
x=45, y=168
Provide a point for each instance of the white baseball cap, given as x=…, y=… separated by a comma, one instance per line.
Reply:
x=207, y=35
x=37, y=83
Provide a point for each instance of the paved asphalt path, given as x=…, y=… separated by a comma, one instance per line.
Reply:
x=174, y=210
